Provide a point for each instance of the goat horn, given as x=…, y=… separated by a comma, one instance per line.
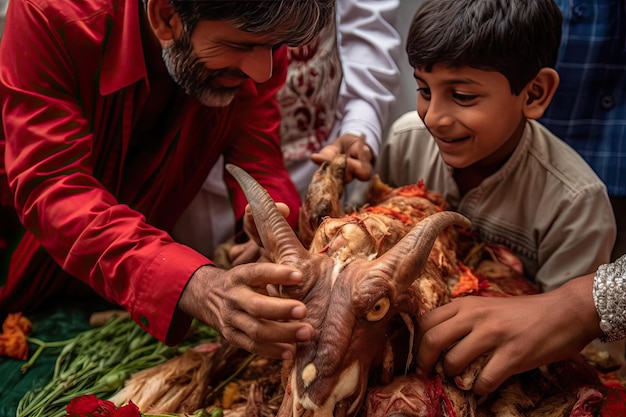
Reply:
x=411, y=253
x=276, y=234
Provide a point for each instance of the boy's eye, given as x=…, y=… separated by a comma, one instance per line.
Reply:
x=463, y=98
x=424, y=92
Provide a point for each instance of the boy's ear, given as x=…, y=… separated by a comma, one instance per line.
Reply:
x=162, y=19
x=539, y=92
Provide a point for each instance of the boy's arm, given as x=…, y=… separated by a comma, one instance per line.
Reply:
x=520, y=333
x=579, y=239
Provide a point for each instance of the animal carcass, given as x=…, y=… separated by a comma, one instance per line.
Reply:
x=367, y=275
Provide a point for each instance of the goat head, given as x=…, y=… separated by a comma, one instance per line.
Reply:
x=352, y=296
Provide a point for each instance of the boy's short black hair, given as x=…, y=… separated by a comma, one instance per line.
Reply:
x=514, y=37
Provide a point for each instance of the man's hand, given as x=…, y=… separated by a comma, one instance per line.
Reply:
x=359, y=156
x=234, y=302
x=521, y=332
x=252, y=250
x=245, y=253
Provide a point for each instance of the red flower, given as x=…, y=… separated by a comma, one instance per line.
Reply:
x=129, y=410
x=92, y=406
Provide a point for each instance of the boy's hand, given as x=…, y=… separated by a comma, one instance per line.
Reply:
x=521, y=332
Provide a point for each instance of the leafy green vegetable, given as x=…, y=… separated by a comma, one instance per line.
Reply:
x=99, y=360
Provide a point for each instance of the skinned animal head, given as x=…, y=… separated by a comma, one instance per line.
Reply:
x=351, y=298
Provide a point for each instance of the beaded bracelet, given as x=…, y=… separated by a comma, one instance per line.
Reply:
x=609, y=297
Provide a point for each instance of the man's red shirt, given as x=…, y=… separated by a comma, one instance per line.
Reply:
x=93, y=193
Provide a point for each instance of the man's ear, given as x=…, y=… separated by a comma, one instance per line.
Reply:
x=162, y=19
x=539, y=92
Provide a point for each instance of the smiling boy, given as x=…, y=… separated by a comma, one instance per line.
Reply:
x=485, y=72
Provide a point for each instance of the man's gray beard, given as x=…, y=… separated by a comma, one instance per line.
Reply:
x=212, y=98
x=205, y=95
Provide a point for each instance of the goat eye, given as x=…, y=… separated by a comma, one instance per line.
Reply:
x=379, y=310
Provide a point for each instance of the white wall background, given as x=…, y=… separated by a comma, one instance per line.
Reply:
x=407, y=95
x=3, y=11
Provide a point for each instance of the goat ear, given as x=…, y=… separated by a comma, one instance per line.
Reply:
x=411, y=253
x=277, y=236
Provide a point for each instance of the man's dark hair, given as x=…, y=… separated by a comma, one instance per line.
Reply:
x=514, y=37
x=293, y=22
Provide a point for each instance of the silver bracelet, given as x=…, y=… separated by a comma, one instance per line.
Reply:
x=609, y=297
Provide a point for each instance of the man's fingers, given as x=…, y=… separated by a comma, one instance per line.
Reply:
x=267, y=337
x=244, y=253
x=283, y=208
x=361, y=152
x=272, y=331
x=262, y=273
x=359, y=169
x=249, y=226
x=359, y=162
x=325, y=154
x=273, y=308
x=268, y=350
x=359, y=156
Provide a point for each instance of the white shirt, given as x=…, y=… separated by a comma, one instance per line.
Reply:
x=369, y=50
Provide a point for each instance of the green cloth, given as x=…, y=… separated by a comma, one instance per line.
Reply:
x=55, y=323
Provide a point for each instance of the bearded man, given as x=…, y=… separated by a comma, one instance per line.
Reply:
x=113, y=114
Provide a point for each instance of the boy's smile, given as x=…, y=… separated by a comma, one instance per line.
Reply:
x=450, y=143
x=472, y=114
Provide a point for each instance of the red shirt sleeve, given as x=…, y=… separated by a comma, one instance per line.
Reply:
x=50, y=160
x=52, y=152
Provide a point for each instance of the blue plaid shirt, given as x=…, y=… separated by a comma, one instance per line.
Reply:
x=589, y=107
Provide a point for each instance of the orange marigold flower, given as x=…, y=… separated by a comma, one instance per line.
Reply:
x=413, y=190
x=389, y=211
x=468, y=282
x=13, y=341
x=15, y=345
x=16, y=322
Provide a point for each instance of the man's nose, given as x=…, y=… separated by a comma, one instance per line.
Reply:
x=257, y=64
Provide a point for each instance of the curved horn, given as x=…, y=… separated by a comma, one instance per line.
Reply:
x=277, y=236
x=409, y=256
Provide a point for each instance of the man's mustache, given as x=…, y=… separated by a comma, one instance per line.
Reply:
x=226, y=72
